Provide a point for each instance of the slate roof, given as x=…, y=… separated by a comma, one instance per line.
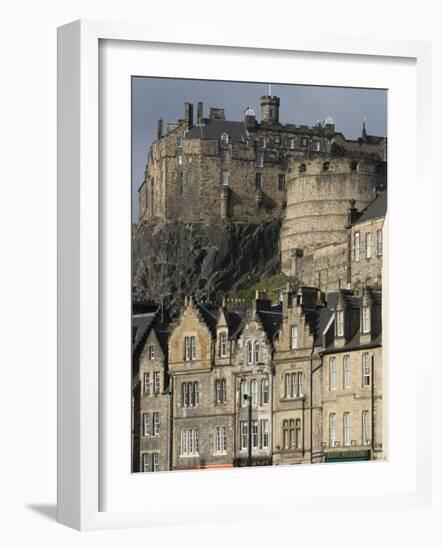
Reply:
x=141, y=325
x=376, y=209
x=209, y=316
x=213, y=128
x=271, y=320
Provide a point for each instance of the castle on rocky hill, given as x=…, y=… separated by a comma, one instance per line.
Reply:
x=312, y=179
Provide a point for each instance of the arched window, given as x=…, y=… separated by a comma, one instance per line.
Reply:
x=224, y=137
x=326, y=167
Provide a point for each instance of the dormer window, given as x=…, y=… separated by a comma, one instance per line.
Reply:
x=224, y=137
x=366, y=319
x=294, y=337
x=223, y=344
x=190, y=348
x=151, y=353
x=339, y=324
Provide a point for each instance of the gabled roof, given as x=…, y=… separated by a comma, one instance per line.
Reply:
x=141, y=324
x=376, y=209
x=271, y=320
x=209, y=316
x=213, y=128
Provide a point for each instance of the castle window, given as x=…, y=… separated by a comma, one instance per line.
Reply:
x=316, y=145
x=368, y=245
x=224, y=137
x=180, y=160
x=302, y=168
x=189, y=177
x=264, y=391
x=224, y=156
x=332, y=374
x=290, y=159
x=339, y=324
x=304, y=142
x=145, y=462
x=277, y=139
x=258, y=180
x=354, y=166
x=326, y=167
x=332, y=429
x=259, y=160
x=357, y=246
x=281, y=182
x=179, y=141
x=225, y=177
x=189, y=159
x=379, y=242
x=291, y=143
x=366, y=374
x=263, y=142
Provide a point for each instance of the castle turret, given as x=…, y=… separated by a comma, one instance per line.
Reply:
x=250, y=118
x=270, y=109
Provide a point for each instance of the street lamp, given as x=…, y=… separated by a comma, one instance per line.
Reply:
x=249, y=428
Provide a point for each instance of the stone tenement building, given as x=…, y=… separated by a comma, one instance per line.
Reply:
x=291, y=383
x=247, y=171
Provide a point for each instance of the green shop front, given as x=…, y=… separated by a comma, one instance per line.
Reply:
x=347, y=456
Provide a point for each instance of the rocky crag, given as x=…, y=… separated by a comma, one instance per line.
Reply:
x=171, y=260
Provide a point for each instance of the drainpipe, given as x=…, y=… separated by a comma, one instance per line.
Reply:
x=312, y=371
x=372, y=408
x=170, y=440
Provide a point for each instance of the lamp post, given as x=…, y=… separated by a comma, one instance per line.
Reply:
x=248, y=398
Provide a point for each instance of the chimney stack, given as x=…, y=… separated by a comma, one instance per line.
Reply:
x=159, y=128
x=188, y=114
x=199, y=113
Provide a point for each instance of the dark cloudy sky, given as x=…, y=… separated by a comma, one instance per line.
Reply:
x=154, y=98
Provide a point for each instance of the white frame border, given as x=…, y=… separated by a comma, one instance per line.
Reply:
x=78, y=251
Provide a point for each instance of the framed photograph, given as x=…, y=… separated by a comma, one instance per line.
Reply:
x=234, y=221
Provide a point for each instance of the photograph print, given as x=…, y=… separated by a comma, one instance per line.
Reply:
x=258, y=215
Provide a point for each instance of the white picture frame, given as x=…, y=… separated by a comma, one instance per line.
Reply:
x=81, y=395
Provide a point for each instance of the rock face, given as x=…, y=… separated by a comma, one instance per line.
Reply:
x=171, y=260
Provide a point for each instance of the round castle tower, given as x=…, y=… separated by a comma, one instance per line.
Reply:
x=319, y=192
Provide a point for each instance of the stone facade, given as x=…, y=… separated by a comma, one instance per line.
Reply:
x=352, y=383
x=260, y=386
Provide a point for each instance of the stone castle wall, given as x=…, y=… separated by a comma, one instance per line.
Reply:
x=319, y=192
